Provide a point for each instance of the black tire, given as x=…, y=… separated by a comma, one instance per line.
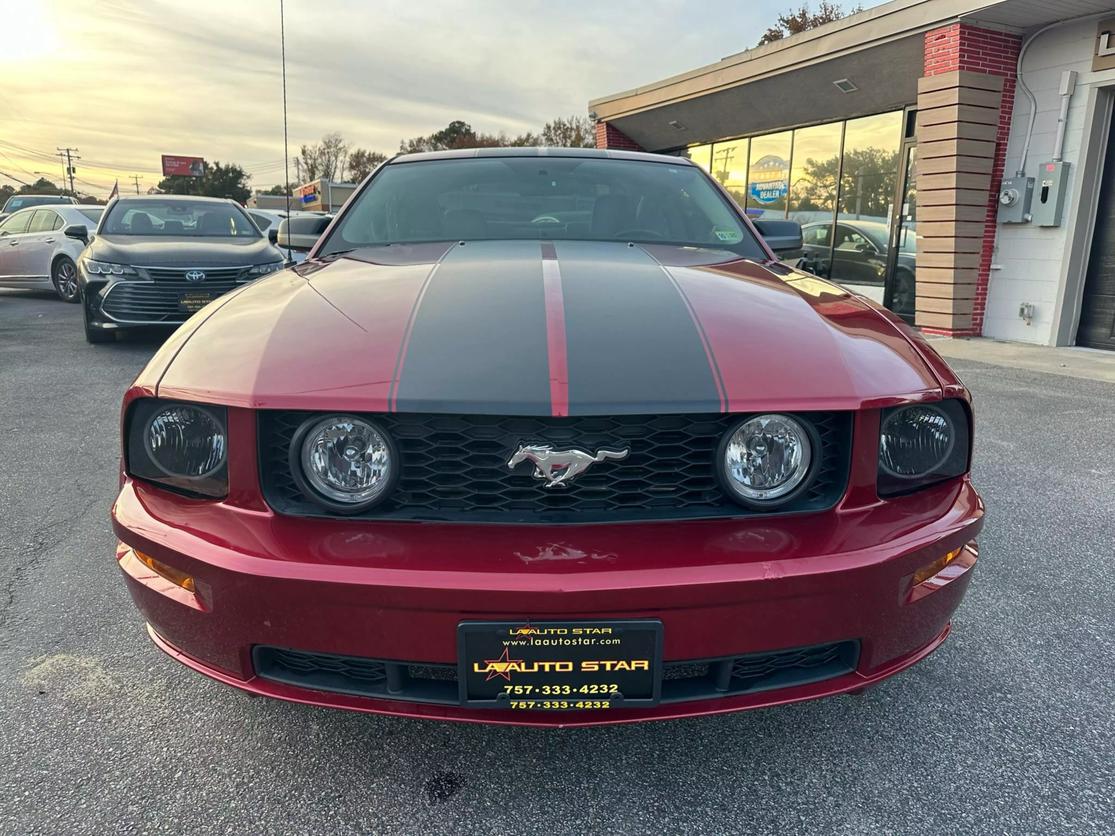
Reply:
x=92, y=333
x=63, y=273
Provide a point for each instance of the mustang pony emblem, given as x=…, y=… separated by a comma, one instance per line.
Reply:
x=557, y=468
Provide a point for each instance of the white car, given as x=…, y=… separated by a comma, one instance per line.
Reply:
x=35, y=252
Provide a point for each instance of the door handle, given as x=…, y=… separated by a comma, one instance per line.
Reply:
x=48, y=240
x=13, y=243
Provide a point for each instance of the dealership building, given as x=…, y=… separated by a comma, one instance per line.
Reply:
x=952, y=159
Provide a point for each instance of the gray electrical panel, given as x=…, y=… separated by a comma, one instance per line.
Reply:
x=1014, y=200
x=1049, y=193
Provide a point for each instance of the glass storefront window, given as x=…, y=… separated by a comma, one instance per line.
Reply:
x=699, y=154
x=861, y=238
x=814, y=177
x=729, y=166
x=768, y=173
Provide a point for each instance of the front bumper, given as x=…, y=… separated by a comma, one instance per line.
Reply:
x=397, y=591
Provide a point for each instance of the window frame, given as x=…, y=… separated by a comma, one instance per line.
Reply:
x=27, y=213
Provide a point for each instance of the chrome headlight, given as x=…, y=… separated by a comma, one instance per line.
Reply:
x=343, y=462
x=179, y=444
x=107, y=269
x=922, y=444
x=766, y=459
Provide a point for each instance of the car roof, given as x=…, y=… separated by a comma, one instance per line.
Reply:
x=591, y=153
x=143, y=198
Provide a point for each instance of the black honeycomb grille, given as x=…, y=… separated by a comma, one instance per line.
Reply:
x=454, y=468
x=681, y=681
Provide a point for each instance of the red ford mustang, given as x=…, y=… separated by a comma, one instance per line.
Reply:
x=546, y=437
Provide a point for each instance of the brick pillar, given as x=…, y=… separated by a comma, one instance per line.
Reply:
x=609, y=136
x=965, y=102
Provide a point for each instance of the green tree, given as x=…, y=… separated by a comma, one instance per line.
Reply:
x=41, y=186
x=574, y=132
x=793, y=21
x=6, y=191
x=362, y=162
x=867, y=184
x=220, y=180
x=458, y=134
x=278, y=189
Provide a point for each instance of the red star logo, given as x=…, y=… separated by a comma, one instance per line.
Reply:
x=502, y=665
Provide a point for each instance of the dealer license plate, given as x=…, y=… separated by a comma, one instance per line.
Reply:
x=194, y=302
x=559, y=665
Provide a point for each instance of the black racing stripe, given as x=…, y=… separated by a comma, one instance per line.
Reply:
x=478, y=343
x=632, y=344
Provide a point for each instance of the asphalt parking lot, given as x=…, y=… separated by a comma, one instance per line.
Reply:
x=1007, y=729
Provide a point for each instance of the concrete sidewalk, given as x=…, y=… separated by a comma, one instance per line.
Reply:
x=1069, y=361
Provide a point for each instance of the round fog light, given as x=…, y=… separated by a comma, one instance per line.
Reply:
x=766, y=458
x=346, y=461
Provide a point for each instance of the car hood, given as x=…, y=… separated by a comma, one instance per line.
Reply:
x=538, y=328
x=181, y=251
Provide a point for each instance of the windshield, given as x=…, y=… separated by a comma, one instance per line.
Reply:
x=92, y=214
x=178, y=217
x=549, y=198
x=16, y=203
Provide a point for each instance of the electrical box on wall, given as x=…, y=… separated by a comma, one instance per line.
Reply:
x=1014, y=200
x=1049, y=193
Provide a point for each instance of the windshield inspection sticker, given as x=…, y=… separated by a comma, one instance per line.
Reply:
x=730, y=236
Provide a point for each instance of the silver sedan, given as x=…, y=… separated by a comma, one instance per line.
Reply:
x=36, y=252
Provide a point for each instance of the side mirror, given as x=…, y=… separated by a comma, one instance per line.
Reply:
x=78, y=231
x=301, y=233
x=273, y=235
x=784, y=237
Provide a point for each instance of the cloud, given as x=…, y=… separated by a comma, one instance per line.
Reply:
x=129, y=81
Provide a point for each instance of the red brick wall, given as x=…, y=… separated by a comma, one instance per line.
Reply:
x=609, y=136
x=961, y=46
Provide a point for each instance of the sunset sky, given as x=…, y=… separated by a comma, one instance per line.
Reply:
x=126, y=81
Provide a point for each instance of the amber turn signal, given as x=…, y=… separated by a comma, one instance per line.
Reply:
x=926, y=572
x=169, y=572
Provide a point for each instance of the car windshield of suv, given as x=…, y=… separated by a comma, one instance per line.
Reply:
x=178, y=218
x=546, y=198
x=14, y=204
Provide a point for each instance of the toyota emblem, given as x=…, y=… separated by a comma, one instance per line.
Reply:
x=195, y=276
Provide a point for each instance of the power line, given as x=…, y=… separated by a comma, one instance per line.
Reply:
x=16, y=179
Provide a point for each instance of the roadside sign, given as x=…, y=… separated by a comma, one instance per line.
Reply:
x=174, y=166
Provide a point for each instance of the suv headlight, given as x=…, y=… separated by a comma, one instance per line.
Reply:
x=343, y=462
x=182, y=445
x=922, y=444
x=766, y=459
x=107, y=269
x=263, y=269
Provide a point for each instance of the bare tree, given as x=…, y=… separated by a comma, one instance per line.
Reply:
x=327, y=159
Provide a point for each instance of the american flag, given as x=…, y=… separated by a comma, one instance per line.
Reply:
x=115, y=193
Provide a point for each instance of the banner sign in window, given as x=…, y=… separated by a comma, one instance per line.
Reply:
x=770, y=179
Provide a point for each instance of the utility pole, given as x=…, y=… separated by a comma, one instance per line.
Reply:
x=69, y=155
x=136, y=178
